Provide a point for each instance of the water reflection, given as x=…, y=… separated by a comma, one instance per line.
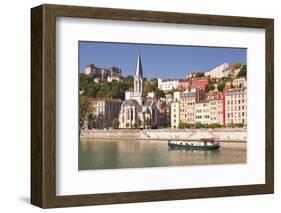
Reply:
x=108, y=154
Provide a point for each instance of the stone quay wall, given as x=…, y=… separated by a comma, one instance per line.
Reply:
x=222, y=134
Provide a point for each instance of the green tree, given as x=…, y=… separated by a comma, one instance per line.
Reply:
x=152, y=86
x=209, y=87
x=137, y=124
x=148, y=123
x=181, y=125
x=159, y=93
x=103, y=88
x=115, y=123
x=85, y=108
x=198, y=125
x=199, y=75
x=221, y=86
x=148, y=87
x=215, y=125
x=184, y=125
x=91, y=121
x=243, y=72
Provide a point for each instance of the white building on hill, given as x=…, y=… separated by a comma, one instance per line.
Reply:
x=167, y=85
x=220, y=71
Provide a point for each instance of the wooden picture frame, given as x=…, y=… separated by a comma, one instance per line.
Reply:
x=43, y=105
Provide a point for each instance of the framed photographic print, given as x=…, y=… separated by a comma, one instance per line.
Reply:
x=136, y=106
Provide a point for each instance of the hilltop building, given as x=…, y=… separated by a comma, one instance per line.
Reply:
x=99, y=73
x=190, y=75
x=220, y=71
x=167, y=85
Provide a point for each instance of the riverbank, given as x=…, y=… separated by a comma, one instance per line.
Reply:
x=238, y=135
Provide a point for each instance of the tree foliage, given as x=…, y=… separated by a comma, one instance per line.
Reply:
x=103, y=88
x=85, y=109
x=236, y=65
x=199, y=126
x=137, y=124
x=199, y=75
x=243, y=72
x=221, y=86
x=85, y=106
x=152, y=86
x=115, y=123
x=184, y=125
x=148, y=123
x=115, y=89
x=209, y=87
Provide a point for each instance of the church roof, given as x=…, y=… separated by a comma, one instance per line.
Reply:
x=148, y=103
x=131, y=102
x=139, y=71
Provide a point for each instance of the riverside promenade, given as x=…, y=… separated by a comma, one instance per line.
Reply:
x=222, y=134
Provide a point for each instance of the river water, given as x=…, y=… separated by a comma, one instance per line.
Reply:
x=114, y=154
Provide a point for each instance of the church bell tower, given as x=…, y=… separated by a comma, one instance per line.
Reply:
x=138, y=81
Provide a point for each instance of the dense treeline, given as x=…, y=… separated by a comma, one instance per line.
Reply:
x=105, y=89
x=115, y=89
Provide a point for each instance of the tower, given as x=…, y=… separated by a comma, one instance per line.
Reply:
x=138, y=82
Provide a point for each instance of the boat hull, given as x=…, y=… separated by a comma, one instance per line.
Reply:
x=190, y=147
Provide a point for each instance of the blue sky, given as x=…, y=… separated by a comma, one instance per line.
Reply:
x=160, y=61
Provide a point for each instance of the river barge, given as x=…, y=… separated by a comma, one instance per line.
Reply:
x=202, y=144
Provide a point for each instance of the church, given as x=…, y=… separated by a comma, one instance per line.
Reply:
x=138, y=111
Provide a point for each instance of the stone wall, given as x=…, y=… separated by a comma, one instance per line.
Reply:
x=227, y=134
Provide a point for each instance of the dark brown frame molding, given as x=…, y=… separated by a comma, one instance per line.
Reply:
x=43, y=105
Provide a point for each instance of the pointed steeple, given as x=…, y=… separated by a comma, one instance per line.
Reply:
x=139, y=66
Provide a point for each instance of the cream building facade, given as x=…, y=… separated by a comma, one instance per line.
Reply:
x=236, y=106
x=175, y=114
x=187, y=106
x=105, y=110
x=216, y=107
x=175, y=110
x=202, y=112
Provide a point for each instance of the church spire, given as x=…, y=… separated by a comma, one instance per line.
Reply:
x=139, y=66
